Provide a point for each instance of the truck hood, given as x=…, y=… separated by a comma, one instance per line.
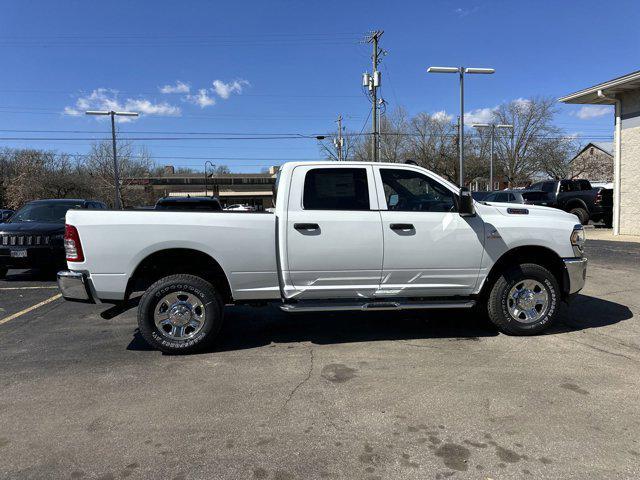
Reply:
x=34, y=228
x=534, y=211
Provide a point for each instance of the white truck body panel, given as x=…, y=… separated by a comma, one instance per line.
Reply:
x=353, y=254
x=115, y=243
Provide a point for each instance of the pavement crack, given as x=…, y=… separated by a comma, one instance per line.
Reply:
x=304, y=380
x=603, y=350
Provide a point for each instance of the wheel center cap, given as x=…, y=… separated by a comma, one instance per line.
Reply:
x=180, y=314
x=525, y=299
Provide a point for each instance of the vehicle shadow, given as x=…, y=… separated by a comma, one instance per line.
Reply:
x=254, y=327
x=586, y=312
x=44, y=275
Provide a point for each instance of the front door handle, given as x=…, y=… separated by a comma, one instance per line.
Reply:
x=402, y=226
x=306, y=226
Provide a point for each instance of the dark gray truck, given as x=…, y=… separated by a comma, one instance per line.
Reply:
x=577, y=197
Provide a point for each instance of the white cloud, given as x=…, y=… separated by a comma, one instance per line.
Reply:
x=202, y=98
x=224, y=90
x=107, y=99
x=148, y=108
x=463, y=12
x=441, y=116
x=179, y=87
x=593, y=111
x=479, y=115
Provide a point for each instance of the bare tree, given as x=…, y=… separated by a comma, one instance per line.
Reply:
x=329, y=149
x=34, y=174
x=433, y=144
x=133, y=164
x=394, y=136
x=555, y=157
x=518, y=152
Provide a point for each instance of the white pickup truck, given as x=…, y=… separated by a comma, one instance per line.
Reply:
x=343, y=236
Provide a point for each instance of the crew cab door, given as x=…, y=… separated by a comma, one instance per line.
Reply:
x=333, y=233
x=429, y=249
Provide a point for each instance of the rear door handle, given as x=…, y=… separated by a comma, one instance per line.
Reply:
x=402, y=226
x=306, y=226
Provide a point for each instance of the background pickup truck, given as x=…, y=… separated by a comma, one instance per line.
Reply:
x=344, y=236
x=577, y=197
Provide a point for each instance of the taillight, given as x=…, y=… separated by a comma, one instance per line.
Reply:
x=598, y=198
x=72, y=245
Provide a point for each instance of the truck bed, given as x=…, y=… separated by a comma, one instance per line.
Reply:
x=115, y=242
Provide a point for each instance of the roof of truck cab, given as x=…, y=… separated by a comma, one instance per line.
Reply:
x=333, y=163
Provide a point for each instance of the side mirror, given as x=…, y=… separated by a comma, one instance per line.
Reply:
x=393, y=200
x=465, y=203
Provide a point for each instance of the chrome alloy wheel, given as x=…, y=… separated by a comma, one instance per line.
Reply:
x=528, y=301
x=179, y=315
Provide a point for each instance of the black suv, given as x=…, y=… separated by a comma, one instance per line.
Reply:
x=34, y=236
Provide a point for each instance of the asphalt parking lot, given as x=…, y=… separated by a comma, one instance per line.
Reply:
x=377, y=396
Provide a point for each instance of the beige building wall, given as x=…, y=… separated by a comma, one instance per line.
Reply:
x=630, y=164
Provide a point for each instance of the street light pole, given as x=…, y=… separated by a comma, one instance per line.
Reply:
x=117, y=204
x=461, y=72
x=492, y=128
x=208, y=162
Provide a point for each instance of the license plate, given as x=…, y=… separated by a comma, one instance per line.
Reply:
x=18, y=253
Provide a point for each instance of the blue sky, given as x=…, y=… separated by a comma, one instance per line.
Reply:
x=289, y=67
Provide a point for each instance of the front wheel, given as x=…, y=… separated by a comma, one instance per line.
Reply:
x=524, y=300
x=180, y=314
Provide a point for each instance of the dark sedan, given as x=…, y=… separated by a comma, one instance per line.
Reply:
x=34, y=236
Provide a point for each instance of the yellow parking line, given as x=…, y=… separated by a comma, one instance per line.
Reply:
x=29, y=288
x=27, y=310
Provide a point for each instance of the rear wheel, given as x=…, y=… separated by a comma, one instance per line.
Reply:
x=180, y=314
x=581, y=213
x=524, y=300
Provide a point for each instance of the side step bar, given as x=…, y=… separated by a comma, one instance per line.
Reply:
x=309, y=306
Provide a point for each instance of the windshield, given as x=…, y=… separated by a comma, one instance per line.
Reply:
x=43, y=212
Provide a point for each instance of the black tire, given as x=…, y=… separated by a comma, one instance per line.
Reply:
x=498, y=303
x=3, y=272
x=582, y=215
x=608, y=222
x=212, y=316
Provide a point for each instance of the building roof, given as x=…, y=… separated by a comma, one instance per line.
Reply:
x=606, y=147
x=630, y=81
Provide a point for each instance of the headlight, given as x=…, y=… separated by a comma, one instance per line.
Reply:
x=578, y=239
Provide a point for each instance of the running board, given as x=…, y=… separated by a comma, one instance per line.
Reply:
x=309, y=306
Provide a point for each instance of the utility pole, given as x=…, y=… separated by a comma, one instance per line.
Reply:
x=338, y=142
x=117, y=204
x=373, y=82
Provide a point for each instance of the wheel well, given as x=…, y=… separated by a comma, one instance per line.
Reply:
x=577, y=203
x=179, y=260
x=542, y=256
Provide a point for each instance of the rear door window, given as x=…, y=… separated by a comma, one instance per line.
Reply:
x=546, y=186
x=336, y=189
